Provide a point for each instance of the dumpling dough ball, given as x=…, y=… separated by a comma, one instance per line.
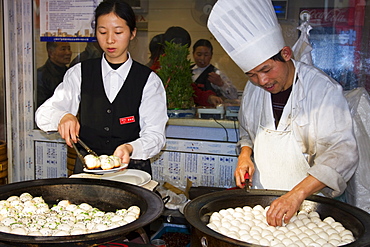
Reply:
x=233, y=235
x=264, y=242
x=223, y=212
x=91, y=161
x=215, y=216
x=329, y=220
x=345, y=232
x=134, y=209
x=25, y=197
x=106, y=163
x=212, y=226
x=239, y=210
x=19, y=231
x=116, y=161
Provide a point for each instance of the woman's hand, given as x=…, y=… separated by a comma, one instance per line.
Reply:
x=245, y=164
x=69, y=128
x=214, y=78
x=124, y=152
x=214, y=100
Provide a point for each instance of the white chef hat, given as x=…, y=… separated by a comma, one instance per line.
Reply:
x=248, y=30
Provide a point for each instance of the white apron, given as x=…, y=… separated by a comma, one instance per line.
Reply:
x=278, y=158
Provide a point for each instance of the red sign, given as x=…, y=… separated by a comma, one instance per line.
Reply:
x=338, y=17
x=126, y=120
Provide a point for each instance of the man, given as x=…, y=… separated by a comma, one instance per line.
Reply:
x=295, y=124
x=51, y=73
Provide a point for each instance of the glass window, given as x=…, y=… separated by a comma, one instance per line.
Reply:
x=339, y=35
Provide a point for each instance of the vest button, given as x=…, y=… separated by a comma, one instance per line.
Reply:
x=106, y=128
x=109, y=111
x=107, y=141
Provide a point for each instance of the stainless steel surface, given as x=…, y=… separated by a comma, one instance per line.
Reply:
x=198, y=211
x=106, y=195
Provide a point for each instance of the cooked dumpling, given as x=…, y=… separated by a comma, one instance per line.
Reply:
x=106, y=162
x=92, y=162
x=116, y=160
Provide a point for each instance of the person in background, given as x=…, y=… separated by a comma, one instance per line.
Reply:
x=180, y=36
x=156, y=50
x=208, y=77
x=296, y=131
x=92, y=50
x=51, y=73
x=177, y=35
x=121, y=103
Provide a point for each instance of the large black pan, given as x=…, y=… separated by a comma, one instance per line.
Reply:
x=198, y=211
x=103, y=194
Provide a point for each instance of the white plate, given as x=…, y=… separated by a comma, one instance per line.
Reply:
x=130, y=176
x=101, y=171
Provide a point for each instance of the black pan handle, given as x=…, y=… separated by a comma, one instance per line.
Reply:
x=166, y=199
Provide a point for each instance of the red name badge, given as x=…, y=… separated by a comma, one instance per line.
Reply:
x=126, y=120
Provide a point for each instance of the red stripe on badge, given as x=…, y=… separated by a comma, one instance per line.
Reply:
x=126, y=120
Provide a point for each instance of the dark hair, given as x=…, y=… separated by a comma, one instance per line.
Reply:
x=156, y=46
x=118, y=7
x=51, y=45
x=203, y=42
x=278, y=57
x=177, y=35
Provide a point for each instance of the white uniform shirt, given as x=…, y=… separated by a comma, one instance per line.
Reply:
x=228, y=90
x=152, y=110
x=322, y=124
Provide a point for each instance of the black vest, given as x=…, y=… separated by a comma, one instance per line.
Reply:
x=203, y=83
x=105, y=125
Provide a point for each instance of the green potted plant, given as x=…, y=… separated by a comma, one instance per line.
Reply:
x=176, y=75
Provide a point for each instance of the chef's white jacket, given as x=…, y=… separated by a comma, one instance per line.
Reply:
x=152, y=110
x=321, y=122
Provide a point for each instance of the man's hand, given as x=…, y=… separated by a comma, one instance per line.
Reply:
x=124, y=152
x=245, y=164
x=287, y=205
x=283, y=208
x=69, y=128
x=215, y=79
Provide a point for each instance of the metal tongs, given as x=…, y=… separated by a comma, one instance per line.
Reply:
x=79, y=155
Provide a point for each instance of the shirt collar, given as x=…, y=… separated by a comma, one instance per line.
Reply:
x=122, y=70
x=200, y=69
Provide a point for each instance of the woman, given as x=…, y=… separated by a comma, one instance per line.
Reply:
x=121, y=103
x=208, y=77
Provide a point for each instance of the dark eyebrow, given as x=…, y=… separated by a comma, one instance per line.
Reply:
x=263, y=68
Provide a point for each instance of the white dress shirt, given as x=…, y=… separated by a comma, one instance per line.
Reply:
x=152, y=110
